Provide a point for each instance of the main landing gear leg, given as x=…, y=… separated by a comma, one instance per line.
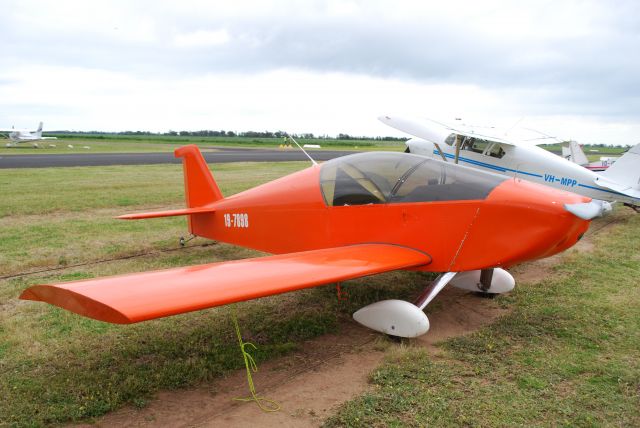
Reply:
x=432, y=291
x=486, y=276
x=427, y=296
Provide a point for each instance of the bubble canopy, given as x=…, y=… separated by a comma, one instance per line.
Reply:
x=389, y=178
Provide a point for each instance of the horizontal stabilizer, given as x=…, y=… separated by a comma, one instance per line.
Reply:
x=617, y=187
x=169, y=213
x=132, y=298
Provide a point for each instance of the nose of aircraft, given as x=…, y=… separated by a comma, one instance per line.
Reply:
x=522, y=221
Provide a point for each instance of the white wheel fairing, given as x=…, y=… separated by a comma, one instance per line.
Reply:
x=394, y=317
x=501, y=282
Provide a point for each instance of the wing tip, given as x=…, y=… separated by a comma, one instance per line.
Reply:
x=127, y=217
x=75, y=302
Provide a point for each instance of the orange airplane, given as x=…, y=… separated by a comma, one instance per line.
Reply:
x=350, y=217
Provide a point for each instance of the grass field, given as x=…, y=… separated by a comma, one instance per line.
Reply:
x=141, y=144
x=112, y=143
x=568, y=354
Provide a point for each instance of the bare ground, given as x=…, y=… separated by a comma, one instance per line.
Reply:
x=327, y=372
x=307, y=384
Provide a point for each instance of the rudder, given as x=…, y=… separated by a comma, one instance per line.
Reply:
x=200, y=188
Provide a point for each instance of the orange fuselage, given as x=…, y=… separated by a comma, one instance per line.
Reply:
x=517, y=221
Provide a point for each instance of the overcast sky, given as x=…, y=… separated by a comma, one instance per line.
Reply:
x=567, y=68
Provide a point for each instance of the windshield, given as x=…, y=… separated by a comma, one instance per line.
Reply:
x=378, y=178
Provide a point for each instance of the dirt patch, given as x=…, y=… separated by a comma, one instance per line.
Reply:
x=460, y=312
x=308, y=384
x=534, y=272
x=328, y=370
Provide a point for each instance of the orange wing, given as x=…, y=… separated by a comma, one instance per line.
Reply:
x=137, y=297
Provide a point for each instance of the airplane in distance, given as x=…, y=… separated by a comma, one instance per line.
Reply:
x=572, y=151
x=475, y=148
x=26, y=135
x=350, y=217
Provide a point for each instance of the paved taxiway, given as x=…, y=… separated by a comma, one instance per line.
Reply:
x=220, y=155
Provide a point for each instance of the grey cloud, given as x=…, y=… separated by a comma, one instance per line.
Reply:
x=594, y=73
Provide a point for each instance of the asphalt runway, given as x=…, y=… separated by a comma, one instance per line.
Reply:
x=220, y=155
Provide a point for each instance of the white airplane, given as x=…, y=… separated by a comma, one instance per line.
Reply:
x=572, y=152
x=472, y=147
x=23, y=135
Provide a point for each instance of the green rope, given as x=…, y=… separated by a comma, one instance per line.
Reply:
x=265, y=404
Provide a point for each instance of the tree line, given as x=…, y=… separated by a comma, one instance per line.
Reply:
x=223, y=133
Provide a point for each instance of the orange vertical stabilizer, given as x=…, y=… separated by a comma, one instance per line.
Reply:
x=199, y=186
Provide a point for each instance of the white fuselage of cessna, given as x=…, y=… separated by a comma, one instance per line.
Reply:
x=620, y=183
x=20, y=135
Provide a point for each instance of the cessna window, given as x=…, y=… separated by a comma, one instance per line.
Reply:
x=378, y=178
x=496, y=151
x=474, y=144
x=451, y=139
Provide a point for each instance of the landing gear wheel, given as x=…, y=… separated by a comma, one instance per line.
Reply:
x=183, y=240
x=485, y=295
x=397, y=339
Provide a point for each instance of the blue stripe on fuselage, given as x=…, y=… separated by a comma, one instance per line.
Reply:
x=487, y=165
x=603, y=190
x=503, y=169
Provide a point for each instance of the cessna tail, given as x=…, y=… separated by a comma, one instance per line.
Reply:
x=26, y=135
x=572, y=152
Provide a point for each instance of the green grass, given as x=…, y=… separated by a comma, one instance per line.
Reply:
x=567, y=355
x=53, y=191
x=587, y=149
x=141, y=144
x=58, y=216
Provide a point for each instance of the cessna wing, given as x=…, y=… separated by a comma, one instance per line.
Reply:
x=132, y=298
x=437, y=132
